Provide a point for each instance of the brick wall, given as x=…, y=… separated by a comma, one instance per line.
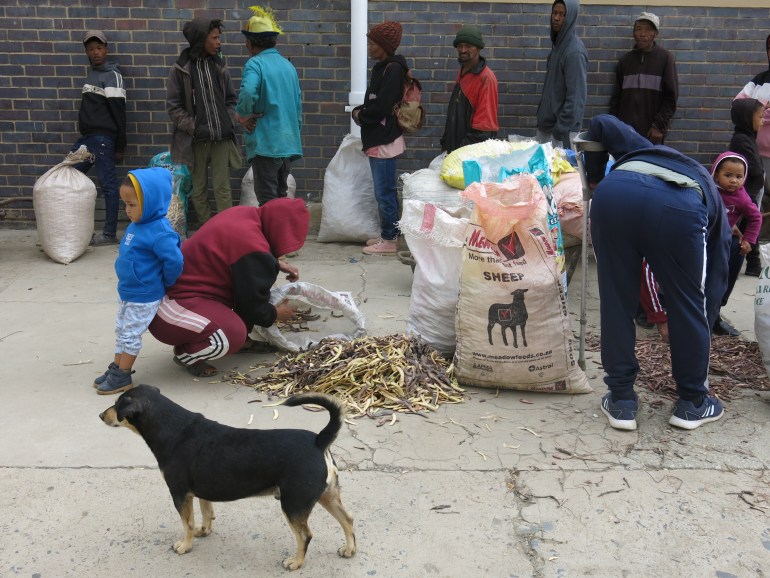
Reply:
x=42, y=67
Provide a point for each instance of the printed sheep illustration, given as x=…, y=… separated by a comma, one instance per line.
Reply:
x=509, y=315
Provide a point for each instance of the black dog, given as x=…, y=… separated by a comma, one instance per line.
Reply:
x=216, y=463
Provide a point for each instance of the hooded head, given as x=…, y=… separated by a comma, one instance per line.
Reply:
x=728, y=155
x=742, y=114
x=196, y=31
x=153, y=191
x=566, y=26
x=285, y=224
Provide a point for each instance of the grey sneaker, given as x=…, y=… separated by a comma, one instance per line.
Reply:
x=117, y=381
x=101, y=240
x=103, y=377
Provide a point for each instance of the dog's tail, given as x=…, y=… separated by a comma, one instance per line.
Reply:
x=336, y=410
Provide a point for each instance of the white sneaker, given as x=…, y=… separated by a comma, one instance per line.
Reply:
x=383, y=247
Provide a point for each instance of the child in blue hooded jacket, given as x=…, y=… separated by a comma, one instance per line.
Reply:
x=149, y=261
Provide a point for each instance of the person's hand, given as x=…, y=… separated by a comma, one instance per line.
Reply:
x=663, y=331
x=119, y=156
x=354, y=116
x=249, y=123
x=745, y=247
x=655, y=135
x=284, y=312
x=293, y=272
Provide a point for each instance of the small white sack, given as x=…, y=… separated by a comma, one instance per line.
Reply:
x=315, y=296
x=349, y=209
x=762, y=307
x=248, y=197
x=64, y=200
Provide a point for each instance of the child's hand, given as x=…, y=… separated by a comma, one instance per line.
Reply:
x=745, y=247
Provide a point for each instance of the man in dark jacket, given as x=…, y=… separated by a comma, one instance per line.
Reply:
x=660, y=205
x=472, y=113
x=646, y=84
x=200, y=100
x=102, y=124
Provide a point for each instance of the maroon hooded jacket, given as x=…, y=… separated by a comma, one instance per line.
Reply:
x=233, y=258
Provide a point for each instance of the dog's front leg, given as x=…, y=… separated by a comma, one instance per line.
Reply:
x=185, y=508
x=207, y=513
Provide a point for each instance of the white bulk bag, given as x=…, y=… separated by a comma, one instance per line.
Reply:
x=64, y=200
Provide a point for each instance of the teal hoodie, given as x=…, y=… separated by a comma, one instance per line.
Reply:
x=150, y=256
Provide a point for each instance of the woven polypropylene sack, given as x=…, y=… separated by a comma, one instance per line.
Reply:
x=349, y=209
x=64, y=200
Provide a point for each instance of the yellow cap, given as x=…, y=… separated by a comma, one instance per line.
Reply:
x=262, y=23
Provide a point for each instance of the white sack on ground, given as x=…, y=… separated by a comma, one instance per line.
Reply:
x=349, y=209
x=64, y=200
x=316, y=296
x=762, y=307
x=435, y=238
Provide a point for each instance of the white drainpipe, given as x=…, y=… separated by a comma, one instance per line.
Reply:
x=358, y=55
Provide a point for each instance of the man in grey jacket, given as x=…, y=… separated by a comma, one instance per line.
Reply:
x=201, y=103
x=560, y=112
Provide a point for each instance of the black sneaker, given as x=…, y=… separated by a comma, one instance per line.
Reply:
x=101, y=240
x=620, y=413
x=687, y=416
x=722, y=327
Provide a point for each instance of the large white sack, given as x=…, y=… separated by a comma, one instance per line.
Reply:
x=349, y=209
x=249, y=197
x=64, y=200
x=435, y=238
x=762, y=307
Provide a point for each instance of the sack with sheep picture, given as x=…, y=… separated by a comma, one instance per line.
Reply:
x=512, y=323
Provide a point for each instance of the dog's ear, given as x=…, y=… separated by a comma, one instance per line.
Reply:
x=128, y=407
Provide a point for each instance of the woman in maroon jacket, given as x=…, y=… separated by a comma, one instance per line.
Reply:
x=230, y=264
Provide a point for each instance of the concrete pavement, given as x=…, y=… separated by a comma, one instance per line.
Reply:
x=491, y=487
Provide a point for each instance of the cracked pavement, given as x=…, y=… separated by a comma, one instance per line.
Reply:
x=508, y=483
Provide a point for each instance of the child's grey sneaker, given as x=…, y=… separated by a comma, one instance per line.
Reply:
x=102, y=378
x=621, y=413
x=117, y=381
x=688, y=416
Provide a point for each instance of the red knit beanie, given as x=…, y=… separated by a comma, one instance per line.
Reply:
x=387, y=35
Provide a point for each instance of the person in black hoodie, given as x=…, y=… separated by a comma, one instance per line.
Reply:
x=380, y=134
x=661, y=205
x=200, y=100
x=746, y=114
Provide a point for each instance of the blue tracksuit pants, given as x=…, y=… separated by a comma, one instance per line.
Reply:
x=634, y=215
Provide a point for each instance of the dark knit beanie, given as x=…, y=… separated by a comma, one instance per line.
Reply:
x=387, y=35
x=469, y=35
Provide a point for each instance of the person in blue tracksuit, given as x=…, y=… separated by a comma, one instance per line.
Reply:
x=661, y=205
